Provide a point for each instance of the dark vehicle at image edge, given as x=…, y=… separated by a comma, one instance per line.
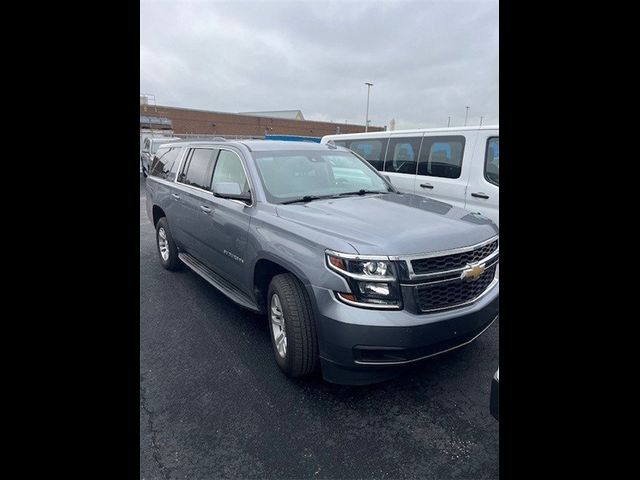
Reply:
x=356, y=278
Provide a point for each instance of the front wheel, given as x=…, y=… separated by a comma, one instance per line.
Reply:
x=292, y=326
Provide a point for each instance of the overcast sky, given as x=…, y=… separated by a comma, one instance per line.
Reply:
x=426, y=59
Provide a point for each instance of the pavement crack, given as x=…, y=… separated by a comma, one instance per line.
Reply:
x=165, y=470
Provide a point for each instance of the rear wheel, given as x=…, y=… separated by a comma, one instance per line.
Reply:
x=292, y=326
x=167, y=248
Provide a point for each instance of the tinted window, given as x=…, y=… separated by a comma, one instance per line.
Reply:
x=229, y=169
x=492, y=159
x=441, y=157
x=372, y=150
x=164, y=162
x=197, y=169
x=402, y=155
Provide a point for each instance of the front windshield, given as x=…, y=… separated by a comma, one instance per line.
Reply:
x=288, y=175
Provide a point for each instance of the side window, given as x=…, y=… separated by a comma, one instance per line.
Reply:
x=441, y=157
x=402, y=155
x=229, y=169
x=491, y=162
x=372, y=150
x=340, y=143
x=197, y=169
x=146, y=144
x=163, y=162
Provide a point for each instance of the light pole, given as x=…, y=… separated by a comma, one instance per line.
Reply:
x=465, y=116
x=366, y=120
x=449, y=121
x=480, y=120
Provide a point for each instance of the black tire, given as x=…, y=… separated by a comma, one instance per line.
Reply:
x=301, y=357
x=172, y=262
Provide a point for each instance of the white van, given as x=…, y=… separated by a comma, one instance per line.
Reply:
x=456, y=165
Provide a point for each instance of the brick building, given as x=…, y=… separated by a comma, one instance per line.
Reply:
x=189, y=121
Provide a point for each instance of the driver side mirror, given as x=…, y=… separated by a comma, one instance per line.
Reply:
x=230, y=190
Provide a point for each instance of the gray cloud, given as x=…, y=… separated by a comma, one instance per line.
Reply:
x=426, y=59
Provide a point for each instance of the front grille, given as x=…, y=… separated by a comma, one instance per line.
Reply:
x=449, y=294
x=451, y=262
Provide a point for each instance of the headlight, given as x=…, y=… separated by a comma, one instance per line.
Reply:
x=373, y=280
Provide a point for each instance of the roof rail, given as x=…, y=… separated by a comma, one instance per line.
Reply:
x=218, y=139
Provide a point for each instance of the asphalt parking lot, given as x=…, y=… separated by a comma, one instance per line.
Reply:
x=213, y=403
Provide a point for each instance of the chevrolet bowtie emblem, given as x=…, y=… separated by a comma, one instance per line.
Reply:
x=473, y=272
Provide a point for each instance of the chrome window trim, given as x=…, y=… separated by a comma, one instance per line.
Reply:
x=400, y=362
x=491, y=286
x=377, y=306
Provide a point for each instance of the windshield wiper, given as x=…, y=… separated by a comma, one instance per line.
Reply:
x=306, y=198
x=362, y=191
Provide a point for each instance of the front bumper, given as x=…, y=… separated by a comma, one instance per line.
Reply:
x=360, y=346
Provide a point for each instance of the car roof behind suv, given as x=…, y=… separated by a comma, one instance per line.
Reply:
x=164, y=139
x=260, y=145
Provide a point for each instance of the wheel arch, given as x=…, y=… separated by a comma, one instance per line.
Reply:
x=267, y=267
x=157, y=213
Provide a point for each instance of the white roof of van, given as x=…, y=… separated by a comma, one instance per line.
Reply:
x=417, y=130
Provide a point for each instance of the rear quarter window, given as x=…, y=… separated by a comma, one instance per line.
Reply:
x=164, y=163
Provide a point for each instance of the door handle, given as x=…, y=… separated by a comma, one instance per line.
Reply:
x=479, y=195
x=176, y=196
x=205, y=209
x=426, y=185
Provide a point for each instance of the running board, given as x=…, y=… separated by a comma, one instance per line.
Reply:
x=217, y=281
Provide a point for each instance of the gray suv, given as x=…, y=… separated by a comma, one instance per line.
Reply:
x=356, y=278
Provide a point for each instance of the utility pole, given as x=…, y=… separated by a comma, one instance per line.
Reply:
x=466, y=115
x=366, y=120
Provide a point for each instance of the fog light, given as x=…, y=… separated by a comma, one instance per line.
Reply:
x=381, y=289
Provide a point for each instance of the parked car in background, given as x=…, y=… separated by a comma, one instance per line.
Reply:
x=149, y=148
x=495, y=396
x=459, y=166
x=356, y=278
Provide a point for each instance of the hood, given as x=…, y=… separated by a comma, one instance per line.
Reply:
x=392, y=224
